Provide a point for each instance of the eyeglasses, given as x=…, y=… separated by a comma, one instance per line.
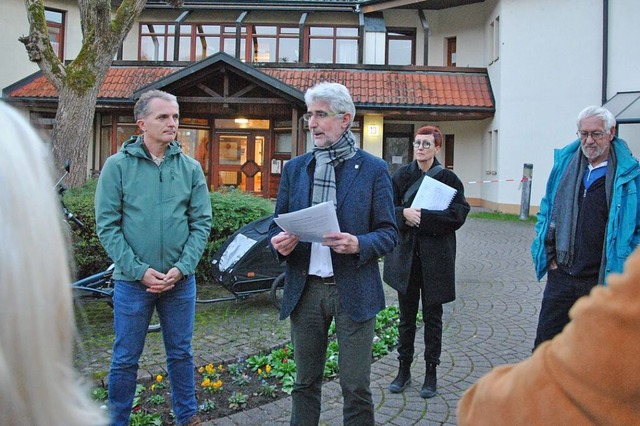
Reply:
x=320, y=114
x=424, y=144
x=596, y=136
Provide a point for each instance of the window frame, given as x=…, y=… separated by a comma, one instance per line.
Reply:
x=278, y=36
x=335, y=38
x=400, y=34
x=60, y=26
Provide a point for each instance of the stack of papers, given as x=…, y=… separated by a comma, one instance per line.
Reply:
x=433, y=195
x=310, y=224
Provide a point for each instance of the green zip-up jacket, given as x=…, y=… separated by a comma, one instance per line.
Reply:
x=149, y=215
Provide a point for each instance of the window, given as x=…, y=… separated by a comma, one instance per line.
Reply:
x=400, y=46
x=275, y=44
x=157, y=41
x=490, y=153
x=451, y=52
x=196, y=42
x=329, y=45
x=449, y=148
x=55, y=25
x=494, y=40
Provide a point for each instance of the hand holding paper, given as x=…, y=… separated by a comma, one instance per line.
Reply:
x=310, y=224
x=433, y=195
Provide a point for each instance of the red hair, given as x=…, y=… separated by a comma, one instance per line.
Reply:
x=431, y=130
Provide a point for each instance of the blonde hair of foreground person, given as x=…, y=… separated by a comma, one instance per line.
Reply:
x=38, y=384
x=588, y=374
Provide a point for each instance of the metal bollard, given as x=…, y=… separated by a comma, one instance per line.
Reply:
x=525, y=202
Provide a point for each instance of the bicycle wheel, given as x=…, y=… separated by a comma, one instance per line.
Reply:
x=277, y=288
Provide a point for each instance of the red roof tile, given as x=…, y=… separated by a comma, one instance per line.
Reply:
x=399, y=87
x=375, y=88
x=120, y=83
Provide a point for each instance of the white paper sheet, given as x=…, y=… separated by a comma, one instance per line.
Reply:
x=312, y=223
x=433, y=195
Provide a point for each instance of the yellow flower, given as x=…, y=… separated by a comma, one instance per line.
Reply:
x=201, y=370
x=209, y=368
x=220, y=367
x=158, y=378
x=206, y=383
x=268, y=369
x=260, y=371
x=218, y=384
x=153, y=386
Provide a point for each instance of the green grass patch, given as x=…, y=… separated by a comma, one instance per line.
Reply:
x=501, y=216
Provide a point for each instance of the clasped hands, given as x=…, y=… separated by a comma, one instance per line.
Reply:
x=157, y=282
x=340, y=242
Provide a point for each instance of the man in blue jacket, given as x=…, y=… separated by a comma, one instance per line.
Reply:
x=589, y=218
x=153, y=216
x=338, y=278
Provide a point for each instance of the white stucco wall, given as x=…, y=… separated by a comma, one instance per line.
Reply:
x=550, y=68
x=466, y=24
x=16, y=64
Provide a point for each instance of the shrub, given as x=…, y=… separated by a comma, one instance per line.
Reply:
x=231, y=210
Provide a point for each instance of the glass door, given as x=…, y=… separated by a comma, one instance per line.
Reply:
x=239, y=162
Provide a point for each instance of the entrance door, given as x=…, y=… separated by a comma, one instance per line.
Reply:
x=239, y=162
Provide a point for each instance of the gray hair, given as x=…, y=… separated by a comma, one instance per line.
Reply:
x=596, y=111
x=335, y=94
x=141, y=109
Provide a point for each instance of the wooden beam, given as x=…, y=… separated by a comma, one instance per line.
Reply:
x=231, y=100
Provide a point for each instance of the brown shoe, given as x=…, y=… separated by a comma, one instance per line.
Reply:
x=194, y=421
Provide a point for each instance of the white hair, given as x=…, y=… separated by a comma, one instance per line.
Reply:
x=38, y=384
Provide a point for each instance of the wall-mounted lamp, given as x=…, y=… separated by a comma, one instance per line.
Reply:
x=241, y=121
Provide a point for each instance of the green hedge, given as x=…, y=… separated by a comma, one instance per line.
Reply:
x=231, y=210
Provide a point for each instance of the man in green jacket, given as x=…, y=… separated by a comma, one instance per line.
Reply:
x=153, y=217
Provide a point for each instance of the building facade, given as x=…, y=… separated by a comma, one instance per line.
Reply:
x=503, y=79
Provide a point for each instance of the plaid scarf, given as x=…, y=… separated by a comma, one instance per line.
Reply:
x=324, y=175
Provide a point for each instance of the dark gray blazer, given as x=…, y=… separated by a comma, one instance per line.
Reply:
x=434, y=239
x=364, y=209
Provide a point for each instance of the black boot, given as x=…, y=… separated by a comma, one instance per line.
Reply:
x=429, y=388
x=403, y=379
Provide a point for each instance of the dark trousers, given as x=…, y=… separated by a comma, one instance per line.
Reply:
x=310, y=323
x=431, y=315
x=560, y=293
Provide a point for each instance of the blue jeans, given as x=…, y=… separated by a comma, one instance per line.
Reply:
x=132, y=310
x=310, y=323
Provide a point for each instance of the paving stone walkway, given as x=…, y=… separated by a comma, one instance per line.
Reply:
x=492, y=322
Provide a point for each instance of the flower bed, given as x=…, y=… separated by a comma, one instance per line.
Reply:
x=224, y=389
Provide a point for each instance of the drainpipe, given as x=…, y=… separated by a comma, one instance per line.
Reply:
x=605, y=48
x=425, y=29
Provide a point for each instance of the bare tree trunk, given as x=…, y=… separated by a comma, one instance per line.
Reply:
x=72, y=132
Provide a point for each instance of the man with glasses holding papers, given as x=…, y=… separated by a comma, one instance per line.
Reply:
x=422, y=267
x=339, y=277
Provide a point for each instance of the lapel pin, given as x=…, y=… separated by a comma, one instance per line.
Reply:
x=357, y=166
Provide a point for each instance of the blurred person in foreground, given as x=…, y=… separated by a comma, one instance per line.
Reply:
x=422, y=267
x=586, y=375
x=153, y=217
x=589, y=218
x=338, y=278
x=38, y=384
